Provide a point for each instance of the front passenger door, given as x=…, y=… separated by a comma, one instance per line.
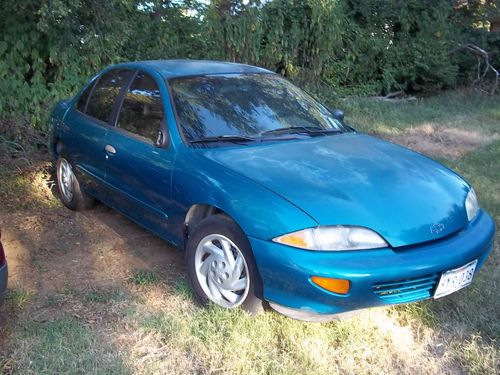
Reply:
x=140, y=158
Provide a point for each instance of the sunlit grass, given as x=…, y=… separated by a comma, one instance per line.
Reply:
x=28, y=188
x=231, y=341
x=465, y=109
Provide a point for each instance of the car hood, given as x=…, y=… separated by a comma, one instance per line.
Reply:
x=356, y=179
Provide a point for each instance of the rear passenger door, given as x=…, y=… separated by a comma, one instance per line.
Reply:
x=90, y=118
x=140, y=156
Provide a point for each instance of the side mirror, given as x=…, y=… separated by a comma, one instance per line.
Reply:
x=338, y=114
x=161, y=140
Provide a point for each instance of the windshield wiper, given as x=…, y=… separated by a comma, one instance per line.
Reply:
x=325, y=131
x=288, y=130
x=310, y=130
x=224, y=138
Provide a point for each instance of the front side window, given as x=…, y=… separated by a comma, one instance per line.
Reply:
x=103, y=98
x=246, y=105
x=142, y=109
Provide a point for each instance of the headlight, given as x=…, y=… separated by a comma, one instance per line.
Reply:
x=337, y=238
x=471, y=204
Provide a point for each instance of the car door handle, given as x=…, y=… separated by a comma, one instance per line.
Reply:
x=110, y=150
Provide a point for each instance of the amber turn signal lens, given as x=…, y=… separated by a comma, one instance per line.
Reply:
x=339, y=286
x=294, y=240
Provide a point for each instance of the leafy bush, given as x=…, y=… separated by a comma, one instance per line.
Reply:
x=49, y=49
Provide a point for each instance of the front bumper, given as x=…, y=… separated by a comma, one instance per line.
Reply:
x=286, y=271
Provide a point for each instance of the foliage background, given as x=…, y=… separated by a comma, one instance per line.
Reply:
x=48, y=49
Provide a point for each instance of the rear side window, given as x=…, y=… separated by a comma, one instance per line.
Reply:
x=100, y=105
x=142, y=109
x=82, y=101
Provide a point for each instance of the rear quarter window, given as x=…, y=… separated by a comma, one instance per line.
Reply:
x=82, y=101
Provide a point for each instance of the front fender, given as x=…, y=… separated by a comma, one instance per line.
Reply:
x=260, y=212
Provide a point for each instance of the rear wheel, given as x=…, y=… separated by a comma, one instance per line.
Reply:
x=69, y=187
x=220, y=265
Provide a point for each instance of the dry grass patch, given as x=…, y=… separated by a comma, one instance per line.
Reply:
x=440, y=142
x=477, y=356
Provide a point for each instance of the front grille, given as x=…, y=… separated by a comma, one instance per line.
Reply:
x=408, y=290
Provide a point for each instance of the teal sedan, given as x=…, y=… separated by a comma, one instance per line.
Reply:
x=272, y=197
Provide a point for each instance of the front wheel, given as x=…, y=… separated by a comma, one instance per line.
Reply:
x=220, y=265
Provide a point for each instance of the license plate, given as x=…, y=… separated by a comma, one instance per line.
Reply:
x=456, y=279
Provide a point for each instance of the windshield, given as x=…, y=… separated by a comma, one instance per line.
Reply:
x=247, y=105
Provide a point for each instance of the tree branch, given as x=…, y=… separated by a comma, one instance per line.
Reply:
x=484, y=55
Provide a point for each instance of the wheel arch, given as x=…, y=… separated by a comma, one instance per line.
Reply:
x=57, y=146
x=197, y=213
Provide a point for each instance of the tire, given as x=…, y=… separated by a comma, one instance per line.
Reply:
x=215, y=276
x=69, y=188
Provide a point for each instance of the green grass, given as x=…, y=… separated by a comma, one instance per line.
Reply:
x=476, y=309
x=477, y=356
x=104, y=296
x=233, y=342
x=465, y=109
x=182, y=289
x=421, y=311
x=144, y=277
x=482, y=169
x=55, y=300
x=63, y=346
x=17, y=297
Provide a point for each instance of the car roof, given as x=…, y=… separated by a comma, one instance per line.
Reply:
x=180, y=68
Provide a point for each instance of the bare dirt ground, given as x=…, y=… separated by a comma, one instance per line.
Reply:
x=85, y=251
x=82, y=266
